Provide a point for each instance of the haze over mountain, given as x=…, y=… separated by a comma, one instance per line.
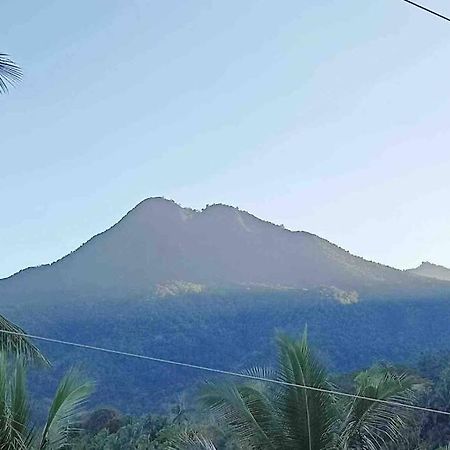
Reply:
x=159, y=242
x=211, y=287
x=430, y=270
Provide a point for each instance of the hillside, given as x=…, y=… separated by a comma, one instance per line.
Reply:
x=211, y=288
x=159, y=243
x=429, y=270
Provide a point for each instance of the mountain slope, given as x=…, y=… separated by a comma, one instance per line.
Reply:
x=160, y=242
x=427, y=269
x=210, y=288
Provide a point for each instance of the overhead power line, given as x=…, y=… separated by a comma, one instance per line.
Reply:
x=427, y=10
x=226, y=372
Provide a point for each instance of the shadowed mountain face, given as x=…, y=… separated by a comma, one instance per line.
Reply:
x=159, y=242
x=210, y=288
x=427, y=269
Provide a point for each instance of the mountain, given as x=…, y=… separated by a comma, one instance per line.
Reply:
x=159, y=243
x=211, y=288
x=430, y=270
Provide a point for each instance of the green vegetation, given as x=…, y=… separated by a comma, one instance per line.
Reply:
x=239, y=416
x=230, y=330
x=17, y=430
x=287, y=417
x=10, y=73
x=13, y=343
x=257, y=415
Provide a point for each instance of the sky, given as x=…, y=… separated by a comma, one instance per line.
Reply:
x=330, y=116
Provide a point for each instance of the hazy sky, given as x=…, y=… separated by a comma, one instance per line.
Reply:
x=330, y=116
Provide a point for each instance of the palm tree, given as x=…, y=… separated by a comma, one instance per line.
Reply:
x=16, y=429
x=369, y=424
x=14, y=342
x=283, y=416
x=10, y=73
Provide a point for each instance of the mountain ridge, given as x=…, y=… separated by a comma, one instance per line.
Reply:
x=211, y=288
x=158, y=241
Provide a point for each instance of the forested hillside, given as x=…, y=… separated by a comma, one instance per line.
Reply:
x=228, y=330
x=212, y=288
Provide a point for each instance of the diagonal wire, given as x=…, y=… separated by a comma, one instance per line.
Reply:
x=417, y=5
x=225, y=372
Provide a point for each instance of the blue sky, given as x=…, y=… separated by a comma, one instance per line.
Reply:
x=330, y=116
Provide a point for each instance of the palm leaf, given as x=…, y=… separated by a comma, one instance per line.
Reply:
x=278, y=416
x=370, y=424
x=10, y=73
x=65, y=410
x=191, y=441
x=308, y=416
x=14, y=408
x=13, y=342
x=246, y=410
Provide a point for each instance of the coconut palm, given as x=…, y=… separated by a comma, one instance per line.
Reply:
x=370, y=425
x=14, y=342
x=283, y=416
x=17, y=431
x=10, y=73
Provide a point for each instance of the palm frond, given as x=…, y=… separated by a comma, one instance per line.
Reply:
x=10, y=73
x=71, y=394
x=246, y=410
x=263, y=416
x=14, y=343
x=14, y=408
x=372, y=424
x=308, y=416
x=191, y=441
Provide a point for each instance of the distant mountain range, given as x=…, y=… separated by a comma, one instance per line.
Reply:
x=159, y=245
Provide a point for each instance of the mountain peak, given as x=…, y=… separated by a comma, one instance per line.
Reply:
x=431, y=270
x=427, y=264
x=160, y=242
x=155, y=202
x=156, y=210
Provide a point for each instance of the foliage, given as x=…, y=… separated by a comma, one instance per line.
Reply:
x=286, y=416
x=12, y=342
x=370, y=424
x=354, y=421
x=64, y=412
x=347, y=338
x=17, y=432
x=14, y=407
x=229, y=330
x=10, y=73
x=191, y=441
x=148, y=432
x=435, y=429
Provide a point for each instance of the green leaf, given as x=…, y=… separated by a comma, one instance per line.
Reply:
x=72, y=393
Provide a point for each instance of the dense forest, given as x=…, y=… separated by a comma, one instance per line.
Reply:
x=224, y=413
x=228, y=330
x=426, y=383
